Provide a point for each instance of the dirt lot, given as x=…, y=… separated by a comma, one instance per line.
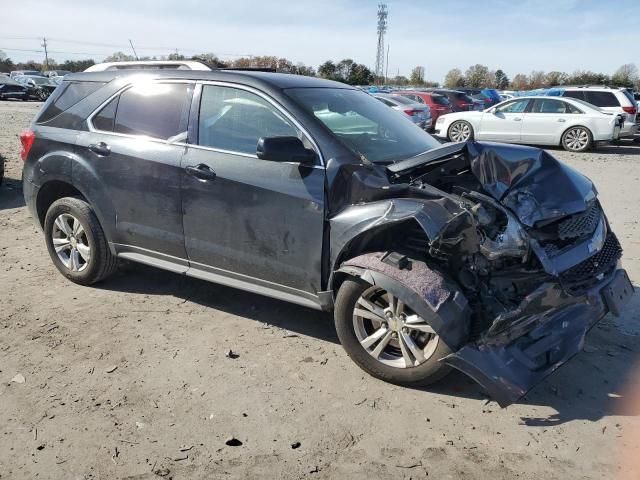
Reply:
x=299, y=406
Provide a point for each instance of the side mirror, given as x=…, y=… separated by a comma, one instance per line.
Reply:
x=285, y=149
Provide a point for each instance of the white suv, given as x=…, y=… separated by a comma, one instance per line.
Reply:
x=609, y=99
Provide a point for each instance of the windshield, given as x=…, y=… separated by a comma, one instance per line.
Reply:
x=363, y=124
x=39, y=80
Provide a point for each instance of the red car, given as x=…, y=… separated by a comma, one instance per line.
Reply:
x=438, y=104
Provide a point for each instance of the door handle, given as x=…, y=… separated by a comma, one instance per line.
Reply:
x=100, y=148
x=517, y=119
x=561, y=120
x=201, y=171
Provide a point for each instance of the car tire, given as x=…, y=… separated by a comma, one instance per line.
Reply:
x=577, y=139
x=85, y=257
x=460, y=131
x=429, y=371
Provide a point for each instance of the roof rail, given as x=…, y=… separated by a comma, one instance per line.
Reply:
x=249, y=69
x=586, y=86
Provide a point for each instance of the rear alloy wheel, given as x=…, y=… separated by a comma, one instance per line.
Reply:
x=386, y=338
x=42, y=95
x=460, y=131
x=577, y=139
x=76, y=242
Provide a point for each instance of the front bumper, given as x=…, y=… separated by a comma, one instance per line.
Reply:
x=541, y=334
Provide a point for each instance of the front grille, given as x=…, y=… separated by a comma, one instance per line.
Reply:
x=580, y=224
x=582, y=276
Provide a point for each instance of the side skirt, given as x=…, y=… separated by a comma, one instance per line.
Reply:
x=217, y=275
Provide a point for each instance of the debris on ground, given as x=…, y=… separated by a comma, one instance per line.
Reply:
x=232, y=442
x=19, y=378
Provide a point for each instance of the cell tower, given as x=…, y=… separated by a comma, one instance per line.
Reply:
x=382, y=29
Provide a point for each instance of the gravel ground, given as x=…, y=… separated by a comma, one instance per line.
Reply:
x=129, y=379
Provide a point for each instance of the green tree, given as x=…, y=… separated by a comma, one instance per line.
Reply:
x=556, y=78
x=625, y=76
x=454, y=78
x=417, y=76
x=476, y=76
x=327, y=70
x=587, y=77
x=6, y=65
x=501, y=80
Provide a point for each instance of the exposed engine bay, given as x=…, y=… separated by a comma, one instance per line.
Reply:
x=526, y=242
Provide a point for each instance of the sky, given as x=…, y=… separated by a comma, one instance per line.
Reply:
x=516, y=36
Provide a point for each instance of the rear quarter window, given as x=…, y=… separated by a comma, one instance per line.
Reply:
x=602, y=99
x=66, y=96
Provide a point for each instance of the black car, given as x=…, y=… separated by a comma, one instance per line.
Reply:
x=490, y=258
x=38, y=87
x=9, y=88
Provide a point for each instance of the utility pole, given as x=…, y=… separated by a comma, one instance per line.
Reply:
x=134, y=50
x=46, y=54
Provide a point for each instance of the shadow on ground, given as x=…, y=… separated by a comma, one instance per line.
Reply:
x=589, y=387
x=11, y=194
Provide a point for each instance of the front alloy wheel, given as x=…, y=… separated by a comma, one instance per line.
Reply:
x=385, y=337
x=460, y=131
x=390, y=332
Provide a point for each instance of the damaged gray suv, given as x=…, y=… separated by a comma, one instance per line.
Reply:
x=492, y=259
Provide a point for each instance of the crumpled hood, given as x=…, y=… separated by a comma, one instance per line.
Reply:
x=529, y=181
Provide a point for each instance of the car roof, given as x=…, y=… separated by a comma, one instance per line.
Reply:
x=256, y=78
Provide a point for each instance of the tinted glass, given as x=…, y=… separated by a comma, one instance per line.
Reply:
x=440, y=100
x=65, y=97
x=157, y=110
x=516, y=106
x=602, y=99
x=363, y=124
x=105, y=118
x=233, y=119
x=574, y=94
x=402, y=100
x=548, y=106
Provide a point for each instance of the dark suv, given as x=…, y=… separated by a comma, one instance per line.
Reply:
x=493, y=259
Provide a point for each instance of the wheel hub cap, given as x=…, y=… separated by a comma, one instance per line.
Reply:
x=391, y=332
x=70, y=242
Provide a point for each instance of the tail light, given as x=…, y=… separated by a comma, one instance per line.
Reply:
x=630, y=110
x=412, y=112
x=26, y=138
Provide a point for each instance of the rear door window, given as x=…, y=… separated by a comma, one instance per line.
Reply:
x=548, y=106
x=602, y=99
x=157, y=110
x=65, y=97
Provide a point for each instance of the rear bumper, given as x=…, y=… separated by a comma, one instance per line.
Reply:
x=548, y=328
x=628, y=130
